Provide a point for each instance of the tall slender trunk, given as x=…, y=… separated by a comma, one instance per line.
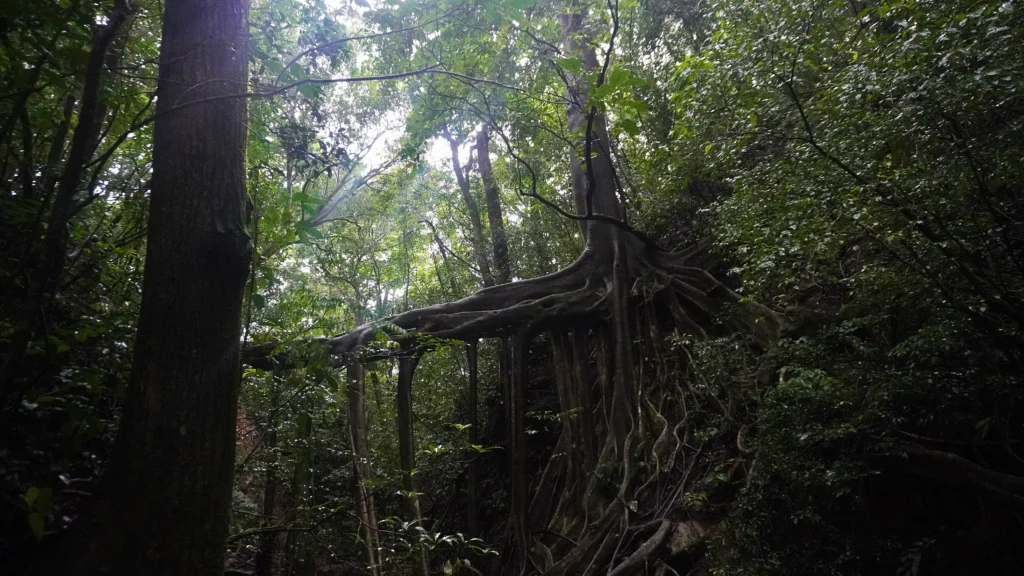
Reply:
x=298, y=560
x=362, y=475
x=27, y=88
x=476, y=225
x=407, y=449
x=472, y=499
x=502, y=275
x=511, y=378
x=266, y=548
x=517, y=441
x=49, y=177
x=268, y=541
x=163, y=505
x=495, y=219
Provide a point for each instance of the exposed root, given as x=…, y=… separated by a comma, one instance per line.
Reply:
x=579, y=291
x=645, y=552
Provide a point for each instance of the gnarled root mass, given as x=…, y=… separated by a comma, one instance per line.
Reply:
x=608, y=496
x=577, y=293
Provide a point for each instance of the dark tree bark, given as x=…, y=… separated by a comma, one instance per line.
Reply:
x=520, y=497
x=268, y=541
x=60, y=134
x=581, y=359
x=163, y=504
x=495, y=219
x=472, y=499
x=593, y=181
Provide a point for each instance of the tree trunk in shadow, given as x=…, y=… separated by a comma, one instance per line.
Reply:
x=362, y=474
x=267, y=546
x=472, y=502
x=162, y=507
x=297, y=556
x=47, y=262
x=407, y=451
x=495, y=218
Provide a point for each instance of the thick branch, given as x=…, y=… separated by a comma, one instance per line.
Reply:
x=489, y=312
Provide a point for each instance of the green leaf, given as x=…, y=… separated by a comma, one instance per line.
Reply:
x=303, y=420
x=35, y=522
x=574, y=65
x=309, y=90
x=617, y=77
x=638, y=105
x=306, y=230
x=275, y=67
x=629, y=126
x=602, y=91
x=58, y=344
x=44, y=502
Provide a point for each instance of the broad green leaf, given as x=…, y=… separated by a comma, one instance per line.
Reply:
x=573, y=65
x=35, y=522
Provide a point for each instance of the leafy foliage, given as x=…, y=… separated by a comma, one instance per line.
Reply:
x=857, y=165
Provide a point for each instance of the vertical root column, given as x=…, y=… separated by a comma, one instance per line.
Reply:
x=407, y=449
x=517, y=443
x=472, y=505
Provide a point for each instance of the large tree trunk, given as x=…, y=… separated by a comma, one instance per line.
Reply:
x=593, y=182
x=164, y=501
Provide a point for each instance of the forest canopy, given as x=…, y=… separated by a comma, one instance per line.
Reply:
x=667, y=287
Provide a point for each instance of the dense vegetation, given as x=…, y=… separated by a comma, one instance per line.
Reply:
x=511, y=287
